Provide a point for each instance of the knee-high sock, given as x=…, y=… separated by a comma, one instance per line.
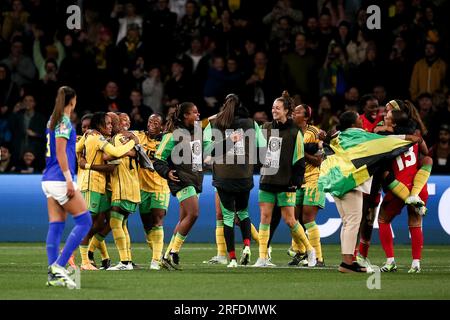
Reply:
x=364, y=246
x=274, y=223
x=120, y=239
x=420, y=179
x=127, y=237
x=220, y=239
x=98, y=242
x=169, y=247
x=246, y=230
x=264, y=233
x=54, y=234
x=387, y=242
x=148, y=238
x=229, y=239
x=83, y=223
x=254, y=232
x=299, y=236
x=157, y=239
x=177, y=243
x=84, y=254
x=314, y=238
x=298, y=247
x=399, y=189
x=416, y=242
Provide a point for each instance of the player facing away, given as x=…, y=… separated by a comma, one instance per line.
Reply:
x=281, y=174
x=61, y=191
x=403, y=170
x=155, y=193
x=233, y=171
x=309, y=197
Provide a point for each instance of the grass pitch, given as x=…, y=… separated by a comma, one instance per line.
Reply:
x=23, y=275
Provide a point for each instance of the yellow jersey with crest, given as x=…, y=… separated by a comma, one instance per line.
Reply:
x=150, y=181
x=125, y=177
x=80, y=171
x=311, y=179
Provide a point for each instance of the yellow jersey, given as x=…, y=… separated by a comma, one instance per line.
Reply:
x=150, y=181
x=125, y=177
x=80, y=171
x=311, y=135
x=95, y=145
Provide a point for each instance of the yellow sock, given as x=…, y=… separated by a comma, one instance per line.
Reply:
x=255, y=235
x=399, y=189
x=127, y=236
x=314, y=238
x=119, y=235
x=157, y=239
x=177, y=242
x=98, y=242
x=84, y=254
x=299, y=236
x=298, y=247
x=169, y=247
x=264, y=233
x=420, y=179
x=220, y=239
x=148, y=238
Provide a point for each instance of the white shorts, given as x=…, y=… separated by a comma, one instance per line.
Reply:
x=57, y=190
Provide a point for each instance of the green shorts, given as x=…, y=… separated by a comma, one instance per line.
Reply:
x=281, y=199
x=186, y=193
x=153, y=200
x=125, y=205
x=310, y=197
x=97, y=202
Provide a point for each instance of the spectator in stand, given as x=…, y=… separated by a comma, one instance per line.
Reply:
x=15, y=20
x=5, y=124
x=131, y=18
x=380, y=93
x=6, y=162
x=189, y=26
x=247, y=57
x=333, y=77
x=326, y=34
x=429, y=73
x=312, y=33
x=28, y=130
x=159, y=30
x=440, y=117
x=356, y=49
x=283, y=8
x=178, y=85
x=139, y=111
x=153, y=90
x=27, y=164
x=225, y=34
x=54, y=52
x=425, y=107
x=351, y=99
x=214, y=89
x=234, y=76
x=371, y=72
x=260, y=117
x=440, y=152
x=105, y=55
x=9, y=91
x=129, y=49
x=299, y=70
x=326, y=118
x=48, y=87
x=21, y=66
x=111, y=100
x=343, y=37
x=400, y=67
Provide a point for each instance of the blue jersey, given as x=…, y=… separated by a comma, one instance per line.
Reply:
x=64, y=130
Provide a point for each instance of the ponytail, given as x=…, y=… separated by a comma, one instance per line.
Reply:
x=65, y=94
x=178, y=116
x=414, y=114
x=287, y=101
x=226, y=115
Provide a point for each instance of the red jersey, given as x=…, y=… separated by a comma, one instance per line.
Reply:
x=370, y=126
x=405, y=166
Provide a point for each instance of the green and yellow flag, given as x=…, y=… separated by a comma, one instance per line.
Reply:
x=357, y=154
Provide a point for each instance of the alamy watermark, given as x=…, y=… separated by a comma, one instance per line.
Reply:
x=73, y=22
x=374, y=18
x=75, y=275
x=374, y=281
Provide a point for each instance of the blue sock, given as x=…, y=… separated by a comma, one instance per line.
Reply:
x=83, y=223
x=55, y=231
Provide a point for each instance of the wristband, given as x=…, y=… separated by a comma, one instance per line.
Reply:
x=68, y=176
x=87, y=166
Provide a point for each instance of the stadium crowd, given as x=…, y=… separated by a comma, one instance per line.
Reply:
x=142, y=57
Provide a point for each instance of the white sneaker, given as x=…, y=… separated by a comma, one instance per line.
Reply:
x=245, y=257
x=415, y=201
x=269, y=253
x=121, y=267
x=312, y=260
x=261, y=263
x=155, y=265
x=60, y=272
x=365, y=263
x=269, y=263
x=217, y=260
x=422, y=211
x=232, y=264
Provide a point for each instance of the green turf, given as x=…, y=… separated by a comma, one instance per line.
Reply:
x=23, y=276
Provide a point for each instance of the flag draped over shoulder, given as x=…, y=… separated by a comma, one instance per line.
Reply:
x=357, y=154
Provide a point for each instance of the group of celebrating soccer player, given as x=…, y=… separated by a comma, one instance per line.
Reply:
x=299, y=163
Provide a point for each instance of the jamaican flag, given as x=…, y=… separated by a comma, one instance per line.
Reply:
x=357, y=154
